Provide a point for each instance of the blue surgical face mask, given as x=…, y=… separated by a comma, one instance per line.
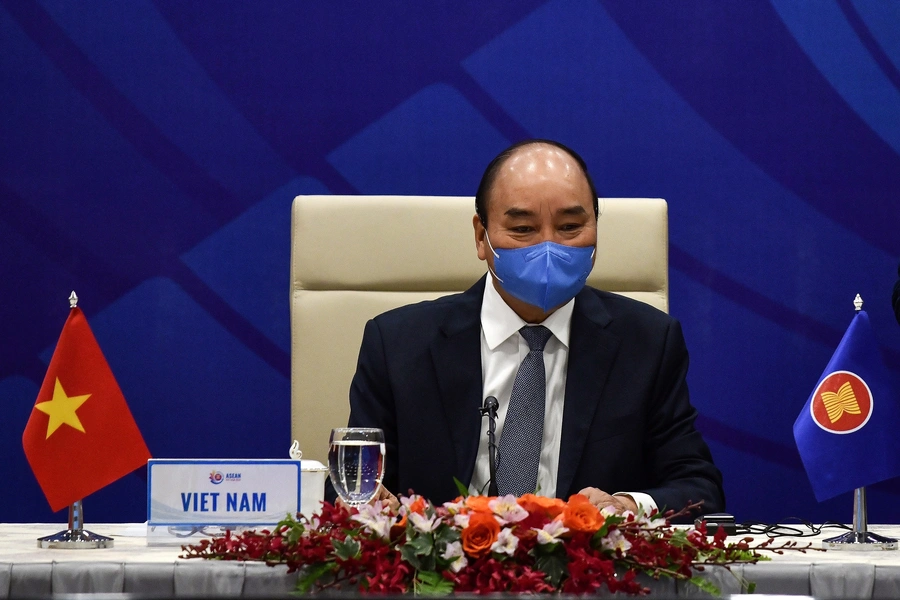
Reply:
x=546, y=275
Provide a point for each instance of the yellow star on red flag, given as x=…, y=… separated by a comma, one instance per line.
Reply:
x=62, y=409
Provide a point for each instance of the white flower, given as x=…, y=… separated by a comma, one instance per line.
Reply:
x=459, y=564
x=374, y=518
x=506, y=543
x=614, y=540
x=608, y=511
x=654, y=522
x=423, y=523
x=549, y=533
x=507, y=509
x=455, y=507
x=461, y=520
x=455, y=550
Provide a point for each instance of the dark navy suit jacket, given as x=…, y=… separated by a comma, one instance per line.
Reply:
x=628, y=424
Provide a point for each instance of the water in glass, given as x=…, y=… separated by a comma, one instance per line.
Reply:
x=357, y=466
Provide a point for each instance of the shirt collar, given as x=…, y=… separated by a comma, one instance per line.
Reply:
x=499, y=321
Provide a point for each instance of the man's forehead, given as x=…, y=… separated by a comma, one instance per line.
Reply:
x=540, y=158
x=539, y=170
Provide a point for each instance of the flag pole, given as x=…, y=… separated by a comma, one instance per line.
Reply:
x=75, y=537
x=860, y=538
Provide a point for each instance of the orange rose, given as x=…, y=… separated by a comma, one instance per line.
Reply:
x=581, y=515
x=480, y=534
x=541, y=505
x=479, y=504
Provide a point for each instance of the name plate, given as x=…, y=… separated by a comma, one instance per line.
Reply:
x=203, y=492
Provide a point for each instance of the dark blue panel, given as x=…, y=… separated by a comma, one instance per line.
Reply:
x=162, y=79
x=311, y=75
x=740, y=68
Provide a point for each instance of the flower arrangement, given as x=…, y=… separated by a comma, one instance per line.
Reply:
x=483, y=544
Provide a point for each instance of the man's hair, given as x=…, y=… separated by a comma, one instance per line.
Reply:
x=490, y=175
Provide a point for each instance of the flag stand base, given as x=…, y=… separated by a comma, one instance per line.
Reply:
x=860, y=541
x=860, y=538
x=75, y=539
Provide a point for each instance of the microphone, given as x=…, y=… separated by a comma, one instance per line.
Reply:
x=490, y=409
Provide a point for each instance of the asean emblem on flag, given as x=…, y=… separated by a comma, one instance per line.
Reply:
x=842, y=403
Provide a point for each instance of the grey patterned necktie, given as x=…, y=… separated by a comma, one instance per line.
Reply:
x=523, y=430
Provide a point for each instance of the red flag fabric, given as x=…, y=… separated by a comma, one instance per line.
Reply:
x=81, y=435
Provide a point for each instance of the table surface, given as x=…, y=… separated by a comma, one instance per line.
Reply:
x=27, y=570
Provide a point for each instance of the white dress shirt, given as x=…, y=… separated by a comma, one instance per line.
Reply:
x=502, y=351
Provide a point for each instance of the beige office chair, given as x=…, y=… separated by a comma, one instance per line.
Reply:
x=353, y=257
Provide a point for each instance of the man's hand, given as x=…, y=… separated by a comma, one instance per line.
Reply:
x=385, y=496
x=601, y=500
x=382, y=494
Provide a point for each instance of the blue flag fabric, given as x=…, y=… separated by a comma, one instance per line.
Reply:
x=846, y=432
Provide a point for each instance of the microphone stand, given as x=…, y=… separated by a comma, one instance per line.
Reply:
x=490, y=409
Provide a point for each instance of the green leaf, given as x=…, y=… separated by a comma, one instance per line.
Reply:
x=422, y=544
x=429, y=583
x=409, y=555
x=462, y=488
x=679, y=538
x=705, y=585
x=312, y=575
x=347, y=549
x=445, y=535
x=751, y=587
x=553, y=565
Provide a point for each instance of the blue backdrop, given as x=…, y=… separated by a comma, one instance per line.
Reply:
x=151, y=148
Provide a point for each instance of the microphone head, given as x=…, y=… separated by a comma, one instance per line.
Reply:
x=491, y=403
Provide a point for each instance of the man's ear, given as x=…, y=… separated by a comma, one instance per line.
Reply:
x=480, y=242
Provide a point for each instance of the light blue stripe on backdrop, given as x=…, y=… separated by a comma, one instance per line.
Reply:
x=883, y=21
x=821, y=28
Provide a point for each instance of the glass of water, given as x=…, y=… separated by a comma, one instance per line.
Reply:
x=356, y=462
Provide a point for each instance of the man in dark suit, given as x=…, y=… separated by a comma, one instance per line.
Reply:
x=602, y=407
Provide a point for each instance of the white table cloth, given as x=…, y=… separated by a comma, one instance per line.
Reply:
x=133, y=567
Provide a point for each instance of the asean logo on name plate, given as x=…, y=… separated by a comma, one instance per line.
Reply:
x=842, y=403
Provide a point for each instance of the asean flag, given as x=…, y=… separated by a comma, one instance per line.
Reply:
x=81, y=435
x=846, y=433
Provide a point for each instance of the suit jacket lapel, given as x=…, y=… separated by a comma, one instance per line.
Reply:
x=592, y=351
x=457, y=362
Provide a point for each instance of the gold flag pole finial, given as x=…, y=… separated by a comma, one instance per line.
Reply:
x=857, y=302
x=73, y=299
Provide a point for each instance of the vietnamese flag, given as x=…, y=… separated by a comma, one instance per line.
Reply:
x=80, y=436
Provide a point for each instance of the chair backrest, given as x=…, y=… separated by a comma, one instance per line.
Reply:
x=354, y=257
